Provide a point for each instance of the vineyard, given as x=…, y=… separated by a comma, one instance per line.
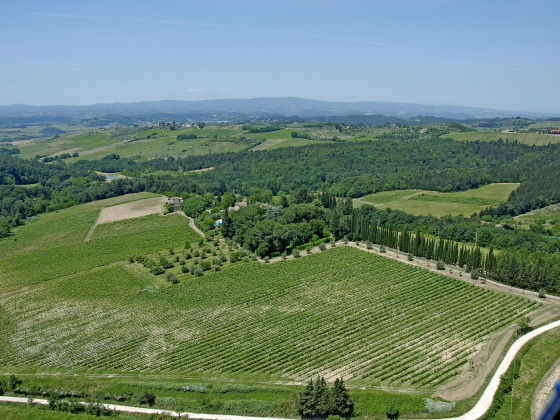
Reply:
x=345, y=312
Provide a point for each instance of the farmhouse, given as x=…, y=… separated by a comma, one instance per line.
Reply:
x=174, y=200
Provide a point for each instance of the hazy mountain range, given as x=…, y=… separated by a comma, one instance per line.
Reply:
x=243, y=109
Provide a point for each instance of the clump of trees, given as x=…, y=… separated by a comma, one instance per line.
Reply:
x=318, y=401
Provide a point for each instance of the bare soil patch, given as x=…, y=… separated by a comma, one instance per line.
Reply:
x=469, y=380
x=203, y=169
x=132, y=210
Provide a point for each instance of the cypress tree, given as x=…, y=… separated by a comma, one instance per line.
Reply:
x=341, y=403
x=307, y=405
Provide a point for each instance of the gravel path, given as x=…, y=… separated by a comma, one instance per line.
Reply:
x=476, y=412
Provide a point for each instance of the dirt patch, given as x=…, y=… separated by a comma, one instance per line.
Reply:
x=132, y=210
x=469, y=380
x=203, y=169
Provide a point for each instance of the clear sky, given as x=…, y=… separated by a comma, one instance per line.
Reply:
x=501, y=54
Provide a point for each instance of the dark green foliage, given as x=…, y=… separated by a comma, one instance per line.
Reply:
x=318, y=401
x=172, y=278
x=149, y=398
x=393, y=412
x=193, y=206
x=504, y=389
x=13, y=383
x=187, y=137
x=440, y=265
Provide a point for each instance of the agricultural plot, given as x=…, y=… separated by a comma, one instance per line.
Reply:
x=547, y=216
x=53, y=246
x=439, y=204
x=69, y=143
x=345, y=312
x=532, y=139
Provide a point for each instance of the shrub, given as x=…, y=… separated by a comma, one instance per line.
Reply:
x=184, y=269
x=440, y=265
x=295, y=253
x=170, y=277
x=475, y=274
x=149, y=398
x=157, y=270
x=369, y=245
x=266, y=259
x=308, y=249
x=382, y=248
x=410, y=257
x=197, y=271
x=542, y=293
x=322, y=246
x=333, y=243
x=206, y=265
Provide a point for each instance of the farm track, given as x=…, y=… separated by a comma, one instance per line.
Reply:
x=191, y=220
x=475, y=413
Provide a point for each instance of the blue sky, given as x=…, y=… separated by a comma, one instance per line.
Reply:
x=493, y=53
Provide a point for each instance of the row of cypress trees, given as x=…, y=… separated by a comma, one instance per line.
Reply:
x=317, y=401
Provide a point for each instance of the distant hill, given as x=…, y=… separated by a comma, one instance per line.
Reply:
x=241, y=109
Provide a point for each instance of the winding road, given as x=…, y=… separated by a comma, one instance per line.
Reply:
x=476, y=412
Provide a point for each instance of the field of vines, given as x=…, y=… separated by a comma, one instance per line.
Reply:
x=341, y=312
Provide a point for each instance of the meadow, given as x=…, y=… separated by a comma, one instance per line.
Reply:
x=532, y=139
x=421, y=202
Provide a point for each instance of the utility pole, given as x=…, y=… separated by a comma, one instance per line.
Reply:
x=512, y=379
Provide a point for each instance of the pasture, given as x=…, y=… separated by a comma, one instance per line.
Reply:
x=532, y=139
x=420, y=202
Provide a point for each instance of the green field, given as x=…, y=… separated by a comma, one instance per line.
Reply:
x=547, y=216
x=536, y=357
x=419, y=202
x=162, y=142
x=53, y=245
x=526, y=138
x=344, y=312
